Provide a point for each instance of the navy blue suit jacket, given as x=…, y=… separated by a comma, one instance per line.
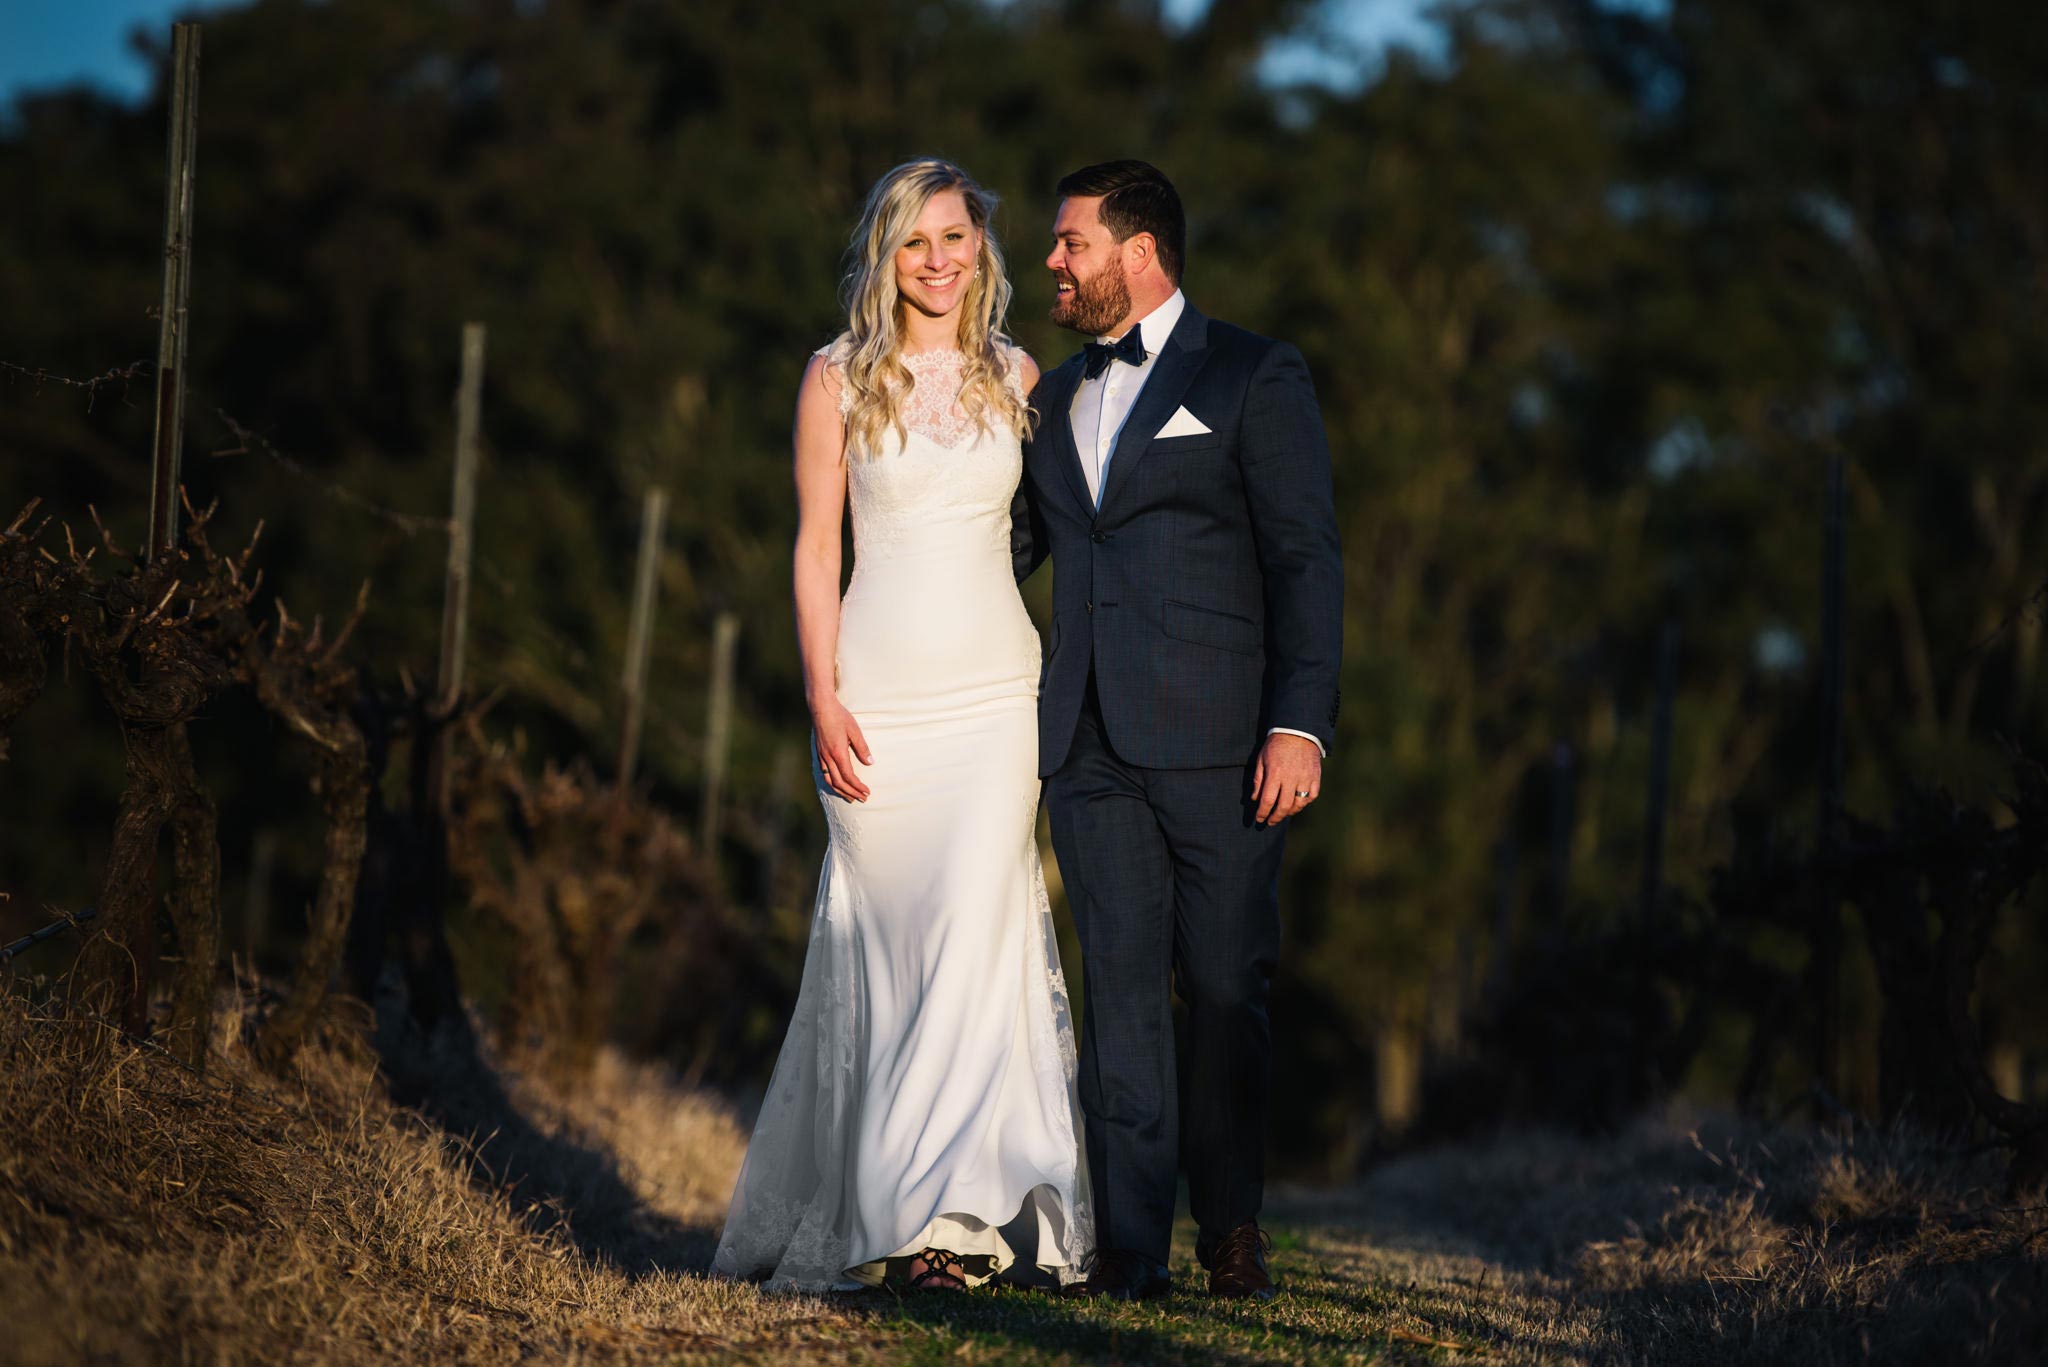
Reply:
x=1207, y=591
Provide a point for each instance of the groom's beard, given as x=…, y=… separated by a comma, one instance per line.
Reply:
x=1096, y=305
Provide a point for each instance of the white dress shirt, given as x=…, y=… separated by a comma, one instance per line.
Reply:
x=1102, y=404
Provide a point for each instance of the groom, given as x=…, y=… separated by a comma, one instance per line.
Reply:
x=1180, y=483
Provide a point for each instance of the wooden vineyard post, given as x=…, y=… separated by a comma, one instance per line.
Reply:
x=462, y=518
x=429, y=964
x=1658, y=798
x=1563, y=796
x=718, y=730
x=161, y=792
x=177, y=288
x=168, y=448
x=1828, y=911
x=461, y=552
x=640, y=633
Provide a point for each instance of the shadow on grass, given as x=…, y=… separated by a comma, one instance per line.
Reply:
x=1181, y=1330
x=1417, y=1230
x=552, y=1180
x=1189, y=1329
x=1468, y=1317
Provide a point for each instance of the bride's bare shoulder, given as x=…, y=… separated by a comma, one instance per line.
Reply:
x=822, y=372
x=1021, y=367
x=825, y=373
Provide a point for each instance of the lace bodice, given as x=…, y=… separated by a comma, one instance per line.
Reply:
x=932, y=407
x=947, y=487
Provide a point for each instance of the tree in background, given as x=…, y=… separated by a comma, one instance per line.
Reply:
x=1587, y=299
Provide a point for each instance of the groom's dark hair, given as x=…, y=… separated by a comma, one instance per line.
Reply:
x=1136, y=198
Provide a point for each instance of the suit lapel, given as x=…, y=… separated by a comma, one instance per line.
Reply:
x=1164, y=388
x=1056, y=420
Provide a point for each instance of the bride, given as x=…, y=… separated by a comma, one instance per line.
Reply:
x=922, y=1111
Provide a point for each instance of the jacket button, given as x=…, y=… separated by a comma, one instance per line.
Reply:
x=1099, y=537
x=1091, y=608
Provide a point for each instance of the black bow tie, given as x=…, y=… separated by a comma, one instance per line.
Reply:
x=1130, y=347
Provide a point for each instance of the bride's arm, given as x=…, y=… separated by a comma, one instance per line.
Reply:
x=821, y=504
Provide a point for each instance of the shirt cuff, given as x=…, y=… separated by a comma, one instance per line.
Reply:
x=1290, y=731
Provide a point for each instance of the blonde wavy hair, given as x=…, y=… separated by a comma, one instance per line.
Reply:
x=869, y=351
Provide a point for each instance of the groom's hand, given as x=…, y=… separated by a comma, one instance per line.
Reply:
x=1287, y=765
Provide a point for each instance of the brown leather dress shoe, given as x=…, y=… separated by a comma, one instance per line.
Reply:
x=1237, y=1265
x=1121, y=1275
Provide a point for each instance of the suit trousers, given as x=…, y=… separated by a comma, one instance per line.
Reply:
x=1173, y=888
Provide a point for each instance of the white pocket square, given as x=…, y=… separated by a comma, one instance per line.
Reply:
x=1181, y=424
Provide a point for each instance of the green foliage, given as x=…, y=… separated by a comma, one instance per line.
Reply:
x=1586, y=303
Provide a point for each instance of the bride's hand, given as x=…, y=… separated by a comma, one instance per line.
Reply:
x=839, y=742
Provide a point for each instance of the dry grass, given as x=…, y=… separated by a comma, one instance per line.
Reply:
x=1721, y=1244
x=149, y=1216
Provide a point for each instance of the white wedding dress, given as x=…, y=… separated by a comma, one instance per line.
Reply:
x=924, y=1095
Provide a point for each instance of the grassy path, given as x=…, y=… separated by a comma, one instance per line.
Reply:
x=423, y=1205
x=1673, y=1244
x=1359, y=1285
x=1353, y=1293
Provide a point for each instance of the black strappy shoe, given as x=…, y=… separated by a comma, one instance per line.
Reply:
x=943, y=1271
